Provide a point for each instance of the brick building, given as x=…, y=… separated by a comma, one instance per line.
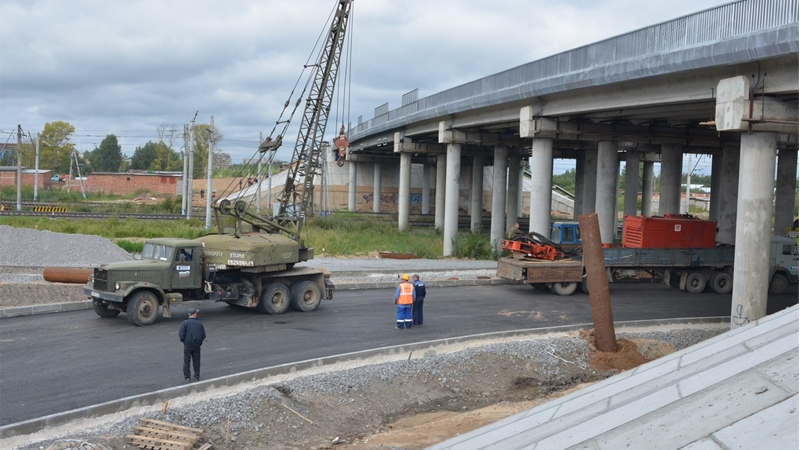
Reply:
x=8, y=177
x=130, y=182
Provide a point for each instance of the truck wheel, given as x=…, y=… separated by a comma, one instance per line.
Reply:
x=695, y=283
x=306, y=296
x=722, y=283
x=778, y=284
x=585, y=285
x=540, y=286
x=143, y=308
x=564, y=288
x=102, y=309
x=274, y=299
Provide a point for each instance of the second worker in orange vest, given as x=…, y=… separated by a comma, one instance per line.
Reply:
x=404, y=297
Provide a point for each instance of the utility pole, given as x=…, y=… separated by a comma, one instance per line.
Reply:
x=260, y=177
x=190, y=175
x=36, y=174
x=210, y=168
x=19, y=167
x=269, y=186
x=185, y=167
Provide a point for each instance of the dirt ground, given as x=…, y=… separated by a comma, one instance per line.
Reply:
x=411, y=411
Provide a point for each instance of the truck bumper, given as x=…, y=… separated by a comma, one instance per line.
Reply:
x=111, y=297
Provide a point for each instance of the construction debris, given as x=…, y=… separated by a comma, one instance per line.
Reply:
x=158, y=435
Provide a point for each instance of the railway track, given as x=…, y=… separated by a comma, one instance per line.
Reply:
x=89, y=215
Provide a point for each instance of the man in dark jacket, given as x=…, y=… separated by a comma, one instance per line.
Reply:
x=416, y=310
x=192, y=334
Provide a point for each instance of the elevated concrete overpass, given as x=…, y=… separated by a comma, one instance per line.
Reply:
x=721, y=82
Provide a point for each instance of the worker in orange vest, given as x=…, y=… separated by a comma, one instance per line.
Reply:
x=404, y=297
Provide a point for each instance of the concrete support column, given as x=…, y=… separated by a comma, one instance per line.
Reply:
x=606, y=198
x=541, y=185
x=352, y=172
x=441, y=174
x=577, y=204
x=589, y=180
x=512, y=196
x=671, y=165
x=716, y=187
x=376, y=187
x=647, y=188
x=631, y=204
x=453, y=177
x=498, y=231
x=521, y=187
x=728, y=199
x=476, y=195
x=426, y=188
x=404, y=192
x=785, y=189
x=751, y=263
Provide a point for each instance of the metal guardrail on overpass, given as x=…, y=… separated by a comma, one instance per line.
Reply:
x=732, y=33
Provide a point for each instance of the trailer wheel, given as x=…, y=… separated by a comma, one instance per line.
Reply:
x=274, y=299
x=102, y=309
x=564, y=288
x=695, y=283
x=540, y=286
x=306, y=296
x=778, y=284
x=722, y=283
x=143, y=308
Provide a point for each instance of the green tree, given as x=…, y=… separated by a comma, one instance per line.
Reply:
x=143, y=157
x=166, y=159
x=55, y=147
x=203, y=134
x=566, y=180
x=107, y=157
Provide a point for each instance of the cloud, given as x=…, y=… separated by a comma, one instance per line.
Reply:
x=127, y=67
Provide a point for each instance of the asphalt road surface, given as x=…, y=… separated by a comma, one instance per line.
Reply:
x=58, y=362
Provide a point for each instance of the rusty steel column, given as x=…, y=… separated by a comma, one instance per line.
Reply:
x=604, y=335
x=67, y=275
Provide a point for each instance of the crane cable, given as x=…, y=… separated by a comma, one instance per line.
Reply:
x=240, y=175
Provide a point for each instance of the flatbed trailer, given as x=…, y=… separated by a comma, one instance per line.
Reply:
x=689, y=269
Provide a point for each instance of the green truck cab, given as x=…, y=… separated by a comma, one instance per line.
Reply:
x=169, y=270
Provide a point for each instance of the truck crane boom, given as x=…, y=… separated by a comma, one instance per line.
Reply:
x=296, y=198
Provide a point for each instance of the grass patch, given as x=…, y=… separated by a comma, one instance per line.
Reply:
x=342, y=234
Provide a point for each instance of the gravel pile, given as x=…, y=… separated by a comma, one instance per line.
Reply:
x=29, y=247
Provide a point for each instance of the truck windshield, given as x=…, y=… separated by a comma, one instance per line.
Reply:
x=156, y=251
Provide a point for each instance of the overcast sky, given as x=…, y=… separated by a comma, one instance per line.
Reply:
x=126, y=67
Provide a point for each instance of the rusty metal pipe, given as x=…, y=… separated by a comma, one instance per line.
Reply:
x=67, y=275
x=604, y=335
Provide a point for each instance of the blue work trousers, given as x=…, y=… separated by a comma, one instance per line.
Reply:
x=403, y=316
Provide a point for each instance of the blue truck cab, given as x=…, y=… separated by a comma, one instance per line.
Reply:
x=565, y=233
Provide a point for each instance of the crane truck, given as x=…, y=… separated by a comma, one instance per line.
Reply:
x=251, y=260
x=676, y=251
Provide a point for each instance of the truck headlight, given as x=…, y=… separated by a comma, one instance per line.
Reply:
x=116, y=287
